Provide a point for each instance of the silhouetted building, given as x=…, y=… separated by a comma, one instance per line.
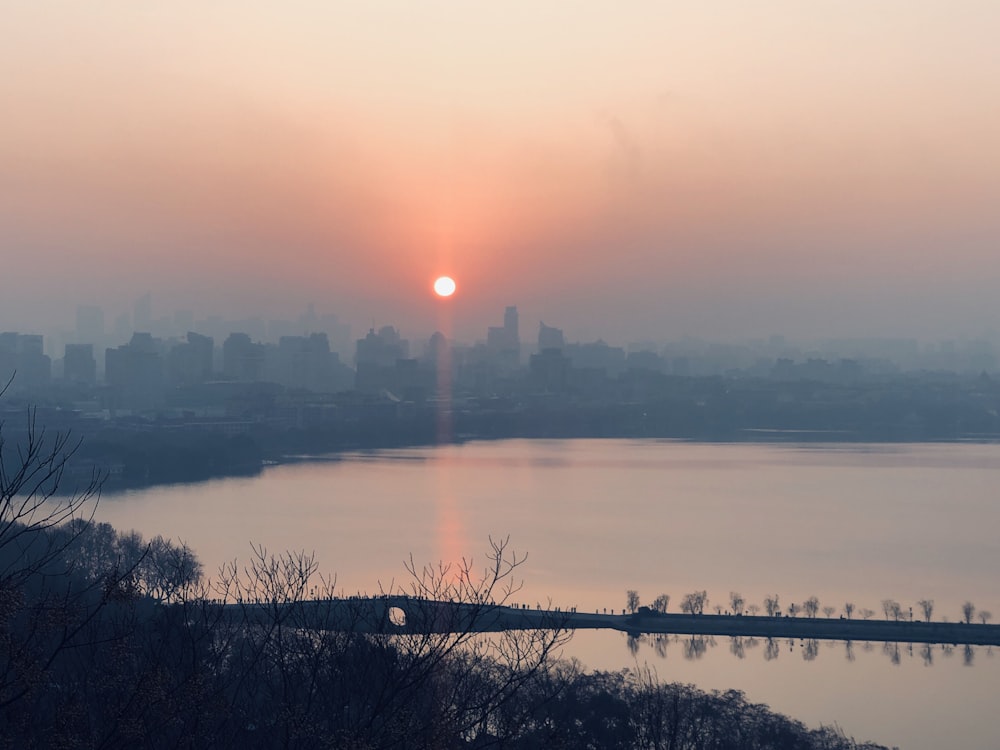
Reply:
x=644, y=360
x=550, y=338
x=377, y=359
x=305, y=362
x=597, y=356
x=79, y=364
x=242, y=359
x=191, y=362
x=382, y=348
x=22, y=355
x=135, y=373
x=503, y=343
x=549, y=370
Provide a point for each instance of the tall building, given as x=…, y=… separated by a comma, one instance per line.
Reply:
x=381, y=360
x=135, y=373
x=503, y=343
x=550, y=338
x=510, y=321
x=191, y=362
x=79, y=365
x=242, y=359
x=22, y=356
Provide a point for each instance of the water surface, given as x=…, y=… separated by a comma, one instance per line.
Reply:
x=858, y=523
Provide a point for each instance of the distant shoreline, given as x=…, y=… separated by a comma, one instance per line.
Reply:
x=167, y=462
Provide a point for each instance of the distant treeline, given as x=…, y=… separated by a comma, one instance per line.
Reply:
x=905, y=409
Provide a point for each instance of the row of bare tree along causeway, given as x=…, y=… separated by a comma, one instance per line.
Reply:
x=410, y=615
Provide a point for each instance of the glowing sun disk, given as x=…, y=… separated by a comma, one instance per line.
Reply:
x=444, y=286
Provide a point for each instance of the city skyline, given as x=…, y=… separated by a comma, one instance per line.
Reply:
x=715, y=170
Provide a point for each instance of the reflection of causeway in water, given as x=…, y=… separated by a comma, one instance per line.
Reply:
x=409, y=615
x=696, y=646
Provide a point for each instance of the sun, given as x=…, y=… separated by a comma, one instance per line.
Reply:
x=444, y=286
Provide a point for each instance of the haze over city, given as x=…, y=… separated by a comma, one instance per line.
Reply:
x=715, y=169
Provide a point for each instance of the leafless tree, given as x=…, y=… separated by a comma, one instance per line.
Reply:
x=968, y=611
x=848, y=609
x=424, y=684
x=632, y=601
x=737, y=602
x=771, y=605
x=866, y=613
x=810, y=606
x=695, y=602
x=985, y=616
x=753, y=609
x=927, y=607
x=828, y=610
x=892, y=609
x=660, y=603
x=34, y=498
x=793, y=609
x=44, y=610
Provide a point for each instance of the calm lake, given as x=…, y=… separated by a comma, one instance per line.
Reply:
x=844, y=523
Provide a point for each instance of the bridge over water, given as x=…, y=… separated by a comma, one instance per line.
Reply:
x=402, y=615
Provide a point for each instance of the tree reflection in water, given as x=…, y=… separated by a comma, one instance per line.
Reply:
x=697, y=646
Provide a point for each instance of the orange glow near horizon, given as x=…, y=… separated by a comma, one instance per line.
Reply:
x=686, y=177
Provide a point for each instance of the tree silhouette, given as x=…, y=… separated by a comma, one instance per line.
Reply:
x=632, y=601
x=892, y=609
x=695, y=602
x=737, y=602
x=927, y=607
x=45, y=610
x=810, y=606
x=771, y=605
x=968, y=611
x=660, y=603
x=848, y=609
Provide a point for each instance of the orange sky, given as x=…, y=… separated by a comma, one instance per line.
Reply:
x=646, y=170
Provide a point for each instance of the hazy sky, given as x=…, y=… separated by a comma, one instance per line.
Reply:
x=620, y=169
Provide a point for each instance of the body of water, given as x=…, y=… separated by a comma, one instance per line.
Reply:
x=844, y=523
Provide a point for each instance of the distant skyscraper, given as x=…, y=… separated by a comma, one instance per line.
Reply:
x=510, y=323
x=79, y=364
x=550, y=338
x=503, y=343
